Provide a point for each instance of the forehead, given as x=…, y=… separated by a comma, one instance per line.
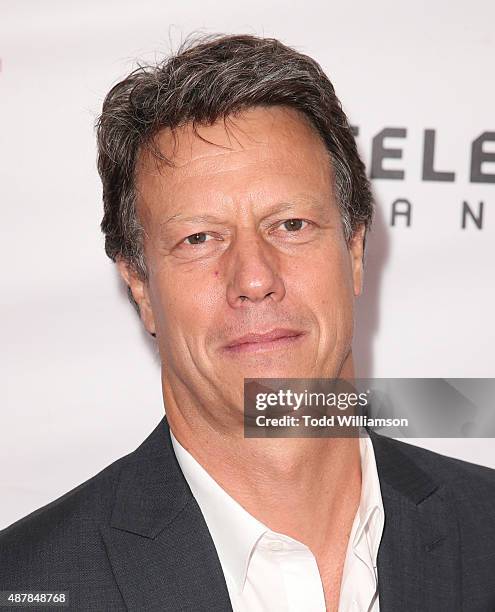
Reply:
x=260, y=149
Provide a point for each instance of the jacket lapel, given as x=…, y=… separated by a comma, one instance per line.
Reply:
x=160, y=549
x=418, y=559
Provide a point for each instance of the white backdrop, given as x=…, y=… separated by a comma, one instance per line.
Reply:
x=82, y=380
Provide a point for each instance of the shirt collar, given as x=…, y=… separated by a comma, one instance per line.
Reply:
x=370, y=512
x=235, y=532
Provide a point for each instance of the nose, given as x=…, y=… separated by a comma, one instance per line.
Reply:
x=253, y=273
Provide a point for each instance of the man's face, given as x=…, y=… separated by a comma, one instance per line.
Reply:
x=244, y=236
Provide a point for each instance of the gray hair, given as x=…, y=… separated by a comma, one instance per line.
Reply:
x=207, y=79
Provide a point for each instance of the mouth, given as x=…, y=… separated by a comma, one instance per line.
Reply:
x=271, y=340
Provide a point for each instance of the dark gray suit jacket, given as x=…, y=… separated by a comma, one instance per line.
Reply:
x=133, y=537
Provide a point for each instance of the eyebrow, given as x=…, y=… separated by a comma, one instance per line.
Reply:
x=279, y=207
x=307, y=201
x=181, y=218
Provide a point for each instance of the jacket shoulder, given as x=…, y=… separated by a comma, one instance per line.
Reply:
x=468, y=489
x=57, y=536
x=448, y=470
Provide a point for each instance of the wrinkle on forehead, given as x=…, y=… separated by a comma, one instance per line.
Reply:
x=259, y=139
x=241, y=132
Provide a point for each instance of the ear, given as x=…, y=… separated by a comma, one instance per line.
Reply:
x=140, y=293
x=356, y=252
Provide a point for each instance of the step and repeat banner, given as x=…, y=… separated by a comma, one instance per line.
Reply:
x=82, y=378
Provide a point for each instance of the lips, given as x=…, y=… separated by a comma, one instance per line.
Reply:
x=259, y=340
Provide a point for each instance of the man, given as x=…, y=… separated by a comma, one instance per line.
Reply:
x=236, y=208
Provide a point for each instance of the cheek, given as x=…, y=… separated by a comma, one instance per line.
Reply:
x=326, y=288
x=328, y=281
x=183, y=304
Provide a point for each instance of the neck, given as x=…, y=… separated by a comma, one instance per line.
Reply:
x=306, y=488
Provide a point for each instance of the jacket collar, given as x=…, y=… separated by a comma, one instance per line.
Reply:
x=152, y=491
x=399, y=472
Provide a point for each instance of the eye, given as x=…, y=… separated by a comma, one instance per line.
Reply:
x=293, y=225
x=198, y=238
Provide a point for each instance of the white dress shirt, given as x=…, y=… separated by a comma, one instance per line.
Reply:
x=267, y=571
